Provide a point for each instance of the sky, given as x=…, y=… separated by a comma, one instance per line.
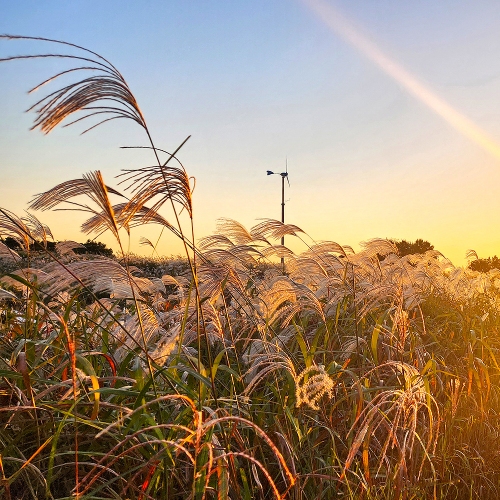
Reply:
x=387, y=112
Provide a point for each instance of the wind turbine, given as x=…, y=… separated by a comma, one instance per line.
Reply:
x=284, y=175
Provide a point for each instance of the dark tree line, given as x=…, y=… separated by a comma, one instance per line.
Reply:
x=404, y=247
x=90, y=247
x=485, y=265
x=422, y=246
x=408, y=248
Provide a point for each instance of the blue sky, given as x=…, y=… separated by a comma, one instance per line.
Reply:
x=255, y=82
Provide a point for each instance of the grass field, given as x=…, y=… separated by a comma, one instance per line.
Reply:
x=349, y=375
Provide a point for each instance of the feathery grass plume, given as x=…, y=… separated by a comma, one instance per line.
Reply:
x=234, y=231
x=169, y=184
x=274, y=229
x=265, y=357
x=378, y=247
x=312, y=384
x=104, y=94
x=157, y=339
x=215, y=241
x=278, y=251
x=285, y=298
x=147, y=242
x=39, y=230
x=350, y=346
x=96, y=274
x=92, y=185
x=398, y=419
x=24, y=230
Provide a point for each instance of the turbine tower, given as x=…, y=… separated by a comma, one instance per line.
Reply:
x=284, y=175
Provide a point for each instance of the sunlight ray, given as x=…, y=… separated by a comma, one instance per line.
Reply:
x=342, y=27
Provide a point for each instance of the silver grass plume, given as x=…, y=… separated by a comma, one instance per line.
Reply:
x=104, y=95
x=91, y=185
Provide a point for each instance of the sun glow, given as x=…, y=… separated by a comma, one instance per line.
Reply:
x=341, y=26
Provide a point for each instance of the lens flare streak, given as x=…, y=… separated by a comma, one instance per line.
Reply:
x=341, y=26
